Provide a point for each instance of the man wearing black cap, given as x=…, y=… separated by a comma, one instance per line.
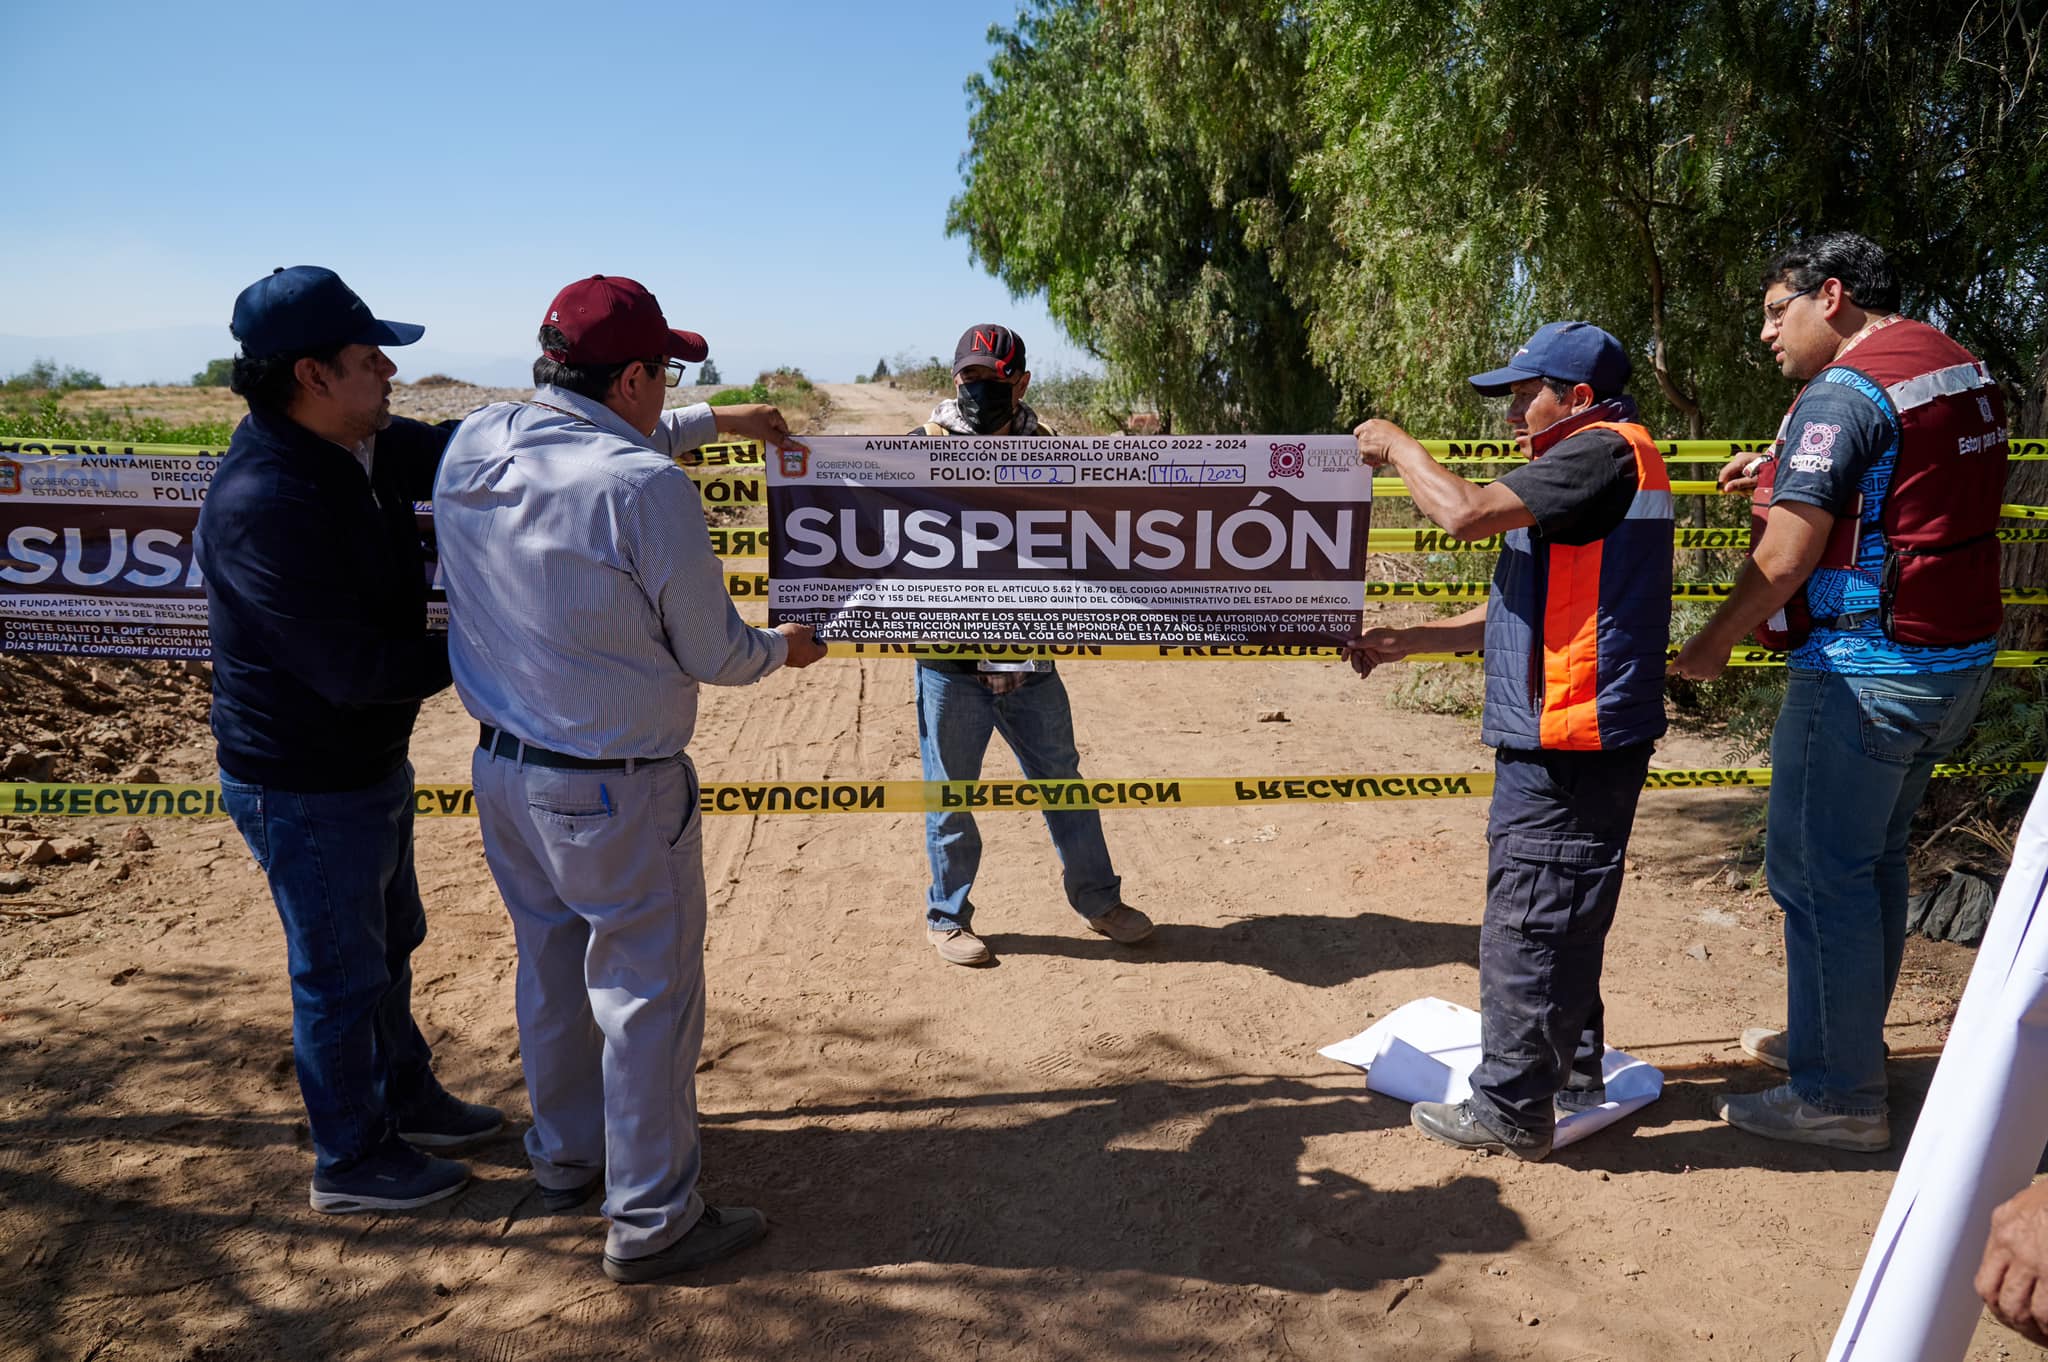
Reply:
x=960, y=705
x=316, y=596
x=585, y=609
x=1574, y=631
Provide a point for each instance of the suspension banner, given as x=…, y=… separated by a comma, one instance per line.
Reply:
x=1251, y=539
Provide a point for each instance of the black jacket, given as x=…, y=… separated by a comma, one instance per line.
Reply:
x=316, y=596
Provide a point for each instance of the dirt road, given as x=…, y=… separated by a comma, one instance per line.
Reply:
x=1087, y=1151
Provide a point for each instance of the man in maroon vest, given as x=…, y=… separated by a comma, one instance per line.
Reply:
x=1878, y=567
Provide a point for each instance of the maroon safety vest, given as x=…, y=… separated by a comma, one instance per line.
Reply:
x=1939, y=579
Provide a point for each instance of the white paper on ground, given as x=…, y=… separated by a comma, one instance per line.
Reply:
x=1977, y=1142
x=1425, y=1051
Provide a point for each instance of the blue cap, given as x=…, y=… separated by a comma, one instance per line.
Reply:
x=309, y=308
x=1571, y=352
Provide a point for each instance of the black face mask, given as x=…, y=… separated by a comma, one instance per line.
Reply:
x=986, y=404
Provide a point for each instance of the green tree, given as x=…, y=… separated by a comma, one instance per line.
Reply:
x=48, y=376
x=709, y=373
x=1399, y=189
x=1481, y=170
x=1106, y=172
x=215, y=374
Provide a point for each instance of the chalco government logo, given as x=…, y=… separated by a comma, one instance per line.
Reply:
x=1288, y=460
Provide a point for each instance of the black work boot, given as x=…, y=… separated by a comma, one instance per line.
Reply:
x=1457, y=1125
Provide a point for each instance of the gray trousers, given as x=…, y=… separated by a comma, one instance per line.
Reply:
x=603, y=875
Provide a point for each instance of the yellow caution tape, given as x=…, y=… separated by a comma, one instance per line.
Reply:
x=739, y=541
x=724, y=454
x=1753, y=657
x=2024, y=512
x=1445, y=451
x=1241, y=652
x=1092, y=652
x=1674, y=451
x=933, y=796
x=743, y=452
x=752, y=586
x=723, y=487
x=1680, y=591
x=1427, y=540
x=57, y=446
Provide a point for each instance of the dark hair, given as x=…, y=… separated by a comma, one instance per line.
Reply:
x=269, y=382
x=1561, y=389
x=1857, y=261
x=585, y=380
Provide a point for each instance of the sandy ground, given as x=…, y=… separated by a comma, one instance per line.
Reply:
x=1087, y=1151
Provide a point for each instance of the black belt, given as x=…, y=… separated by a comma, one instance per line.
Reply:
x=498, y=743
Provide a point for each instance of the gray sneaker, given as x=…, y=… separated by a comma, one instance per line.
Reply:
x=1778, y=1114
x=957, y=945
x=1769, y=1045
x=1122, y=924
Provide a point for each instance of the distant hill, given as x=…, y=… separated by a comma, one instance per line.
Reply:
x=172, y=354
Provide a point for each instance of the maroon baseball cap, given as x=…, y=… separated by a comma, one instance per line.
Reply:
x=611, y=320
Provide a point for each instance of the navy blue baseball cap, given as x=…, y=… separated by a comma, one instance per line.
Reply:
x=1571, y=352
x=307, y=307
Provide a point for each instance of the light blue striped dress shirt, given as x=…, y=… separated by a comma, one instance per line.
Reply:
x=585, y=604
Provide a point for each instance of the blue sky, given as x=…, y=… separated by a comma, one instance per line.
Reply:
x=777, y=173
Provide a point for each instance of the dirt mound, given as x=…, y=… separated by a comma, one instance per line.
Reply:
x=68, y=719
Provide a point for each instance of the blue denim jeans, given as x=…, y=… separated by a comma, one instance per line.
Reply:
x=341, y=873
x=1557, y=847
x=1850, y=759
x=956, y=715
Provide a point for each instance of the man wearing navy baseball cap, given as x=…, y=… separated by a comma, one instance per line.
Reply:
x=316, y=604
x=1574, y=632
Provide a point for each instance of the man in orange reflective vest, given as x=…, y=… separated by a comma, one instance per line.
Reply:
x=1899, y=434
x=1575, y=632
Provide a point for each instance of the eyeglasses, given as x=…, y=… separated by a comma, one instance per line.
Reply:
x=671, y=370
x=1774, y=313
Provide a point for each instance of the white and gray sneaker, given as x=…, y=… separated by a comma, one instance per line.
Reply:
x=1769, y=1044
x=1779, y=1114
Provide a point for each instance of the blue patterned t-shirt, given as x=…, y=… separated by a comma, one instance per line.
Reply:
x=1841, y=440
